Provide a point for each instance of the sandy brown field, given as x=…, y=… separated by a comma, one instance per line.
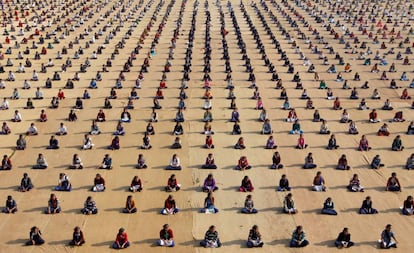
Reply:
x=189, y=225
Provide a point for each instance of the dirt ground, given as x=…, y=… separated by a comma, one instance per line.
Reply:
x=189, y=225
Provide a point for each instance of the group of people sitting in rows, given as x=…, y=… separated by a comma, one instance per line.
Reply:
x=209, y=186
x=211, y=238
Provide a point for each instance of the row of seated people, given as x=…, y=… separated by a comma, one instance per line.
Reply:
x=240, y=144
x=210, y=185
x=235, y=116
x=178, y=129
x=211, y=238
x=207, y=117
x=170, y=205
x=289, y=206
x=207, y=104
x=243, y=163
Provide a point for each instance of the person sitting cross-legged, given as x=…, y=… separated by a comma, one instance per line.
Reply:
x=211, y=239
x=63, y=183
x=89, y=206
x=393, y=184
x=328, y=207
x=78, y=238
x=255, y=238
x=409, y=165
x=376, y=162
x=174, y=163
x=136, y=184
x=98, y=183
x=121, y=241
x=166, y=237
x=25, y=183
x=344, y=239
x=209, y=206
x=249, y=205
x=354, y=184
x=35, y=237
x=11, y=205
x=289, y=205
x=53, y=205
x=172, y=184
x=106, y=162
x=246, y=185
x=397, y=144
x=209, y=164
x=130, y=205
x=366, y=207
x=388, y=239
x=243, y=164
x=170, y=206
x=298, y=238
x=209, y=184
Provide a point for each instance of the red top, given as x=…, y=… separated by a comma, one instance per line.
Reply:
x=168, y=204
x=172, y=182
x=342, y=161
x=121, y=238
x=363, y=143
x=209, y=141
x=101, y=115
x=243, y=163
x=99, y=181
x=404, y=94
x=166, y=234
x=292, y=114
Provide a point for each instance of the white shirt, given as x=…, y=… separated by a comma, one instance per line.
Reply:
x=125, y=116
x=207, y=104
x=39, y=94
x=41, y=161
x=5, y=104
x=175, y=162
x=63, y=129
x=32, y=129
x=17, y=116
x=26, y=85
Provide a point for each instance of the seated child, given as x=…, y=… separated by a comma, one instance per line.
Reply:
x=376, y=162
x=354, y=184
x=243, y=164
x=383, y=131
x=328, y=207
x=63, y=183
